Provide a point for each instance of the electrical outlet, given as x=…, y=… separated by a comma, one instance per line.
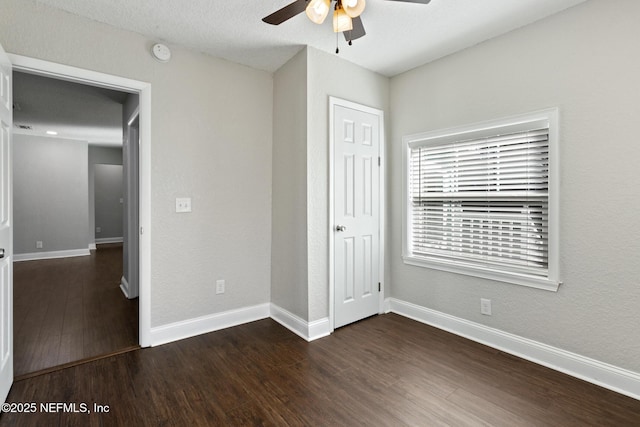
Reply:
x=39, y=244
x=98, y=229
x=485, y=306
x=183, y=204
x=219, y=287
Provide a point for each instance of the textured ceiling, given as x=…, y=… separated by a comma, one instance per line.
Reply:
x=400, y=36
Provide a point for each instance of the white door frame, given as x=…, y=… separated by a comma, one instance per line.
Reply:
x=333, y=102
x=129, y=287
x=6, y=187
x=93, y=78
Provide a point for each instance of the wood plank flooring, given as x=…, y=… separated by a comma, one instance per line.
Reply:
x=384, y=371
x=69, y=309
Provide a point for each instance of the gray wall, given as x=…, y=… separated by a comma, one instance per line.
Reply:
x=300, y=253
x=104, y=156
x=50, y=194
x=329, y=75
x=211, y=141
x=289, y=288
x=108, y=201
x=584, y=61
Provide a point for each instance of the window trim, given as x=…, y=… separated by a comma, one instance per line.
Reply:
x=551, y=282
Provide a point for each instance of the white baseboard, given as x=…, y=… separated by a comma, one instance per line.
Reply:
x=109, y=240
x=124, y=286
x=386, y=306
x=92, y=246
x=307, y=330
x=319, y=329
x=51, y=255
x=608, y=376
x=202, y=325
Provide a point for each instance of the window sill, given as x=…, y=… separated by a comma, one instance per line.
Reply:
x=486, y=273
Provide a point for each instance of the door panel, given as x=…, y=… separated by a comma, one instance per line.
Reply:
x=6, y=233
x=356, y=214
x=349, y=183
x=367, y=265
x=349, y=273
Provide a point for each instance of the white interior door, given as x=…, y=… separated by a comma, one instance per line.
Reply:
x=6, y=231
x=356, y=138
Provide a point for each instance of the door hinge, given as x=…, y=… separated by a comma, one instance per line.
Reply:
x=379, y=287
x=379, y=160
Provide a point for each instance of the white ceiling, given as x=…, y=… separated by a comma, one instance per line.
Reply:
x=73, y=110
x=400, y=36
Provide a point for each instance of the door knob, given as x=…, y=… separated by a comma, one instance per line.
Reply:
x=1, y=253
x=340, y=228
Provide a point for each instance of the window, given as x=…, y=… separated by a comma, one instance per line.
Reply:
x=482, y=200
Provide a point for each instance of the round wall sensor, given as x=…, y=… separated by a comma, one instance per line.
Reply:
x=161, y=52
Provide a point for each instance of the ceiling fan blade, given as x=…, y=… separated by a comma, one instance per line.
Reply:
x=287, y=12
x=357, y=31
x=414, y=1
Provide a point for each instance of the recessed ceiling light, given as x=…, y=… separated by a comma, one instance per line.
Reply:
x=52, y=132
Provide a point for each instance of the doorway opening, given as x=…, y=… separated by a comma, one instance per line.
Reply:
x=69, y=223
x=108, y=253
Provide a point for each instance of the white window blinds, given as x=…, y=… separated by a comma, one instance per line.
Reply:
x=482, y=201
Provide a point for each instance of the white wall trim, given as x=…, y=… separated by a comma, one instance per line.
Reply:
x=319, y=329
x=92, y=246
x=290, y=321
x=51, y=255
x=605, y=375
x=73, y=74
x=205, y=324
x=109, y=240
x=124, y=286
x=387, y=306
x=308, y=331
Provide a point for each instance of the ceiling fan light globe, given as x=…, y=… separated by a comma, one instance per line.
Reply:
x=341, y=21
x=317, y=10
x=353, y=8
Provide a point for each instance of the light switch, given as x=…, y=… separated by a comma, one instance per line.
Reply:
x=183, y=204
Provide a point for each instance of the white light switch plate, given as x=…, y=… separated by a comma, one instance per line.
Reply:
x=183, y=204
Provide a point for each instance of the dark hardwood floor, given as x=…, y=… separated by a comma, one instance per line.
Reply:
x=69, y=309
x=384, y=371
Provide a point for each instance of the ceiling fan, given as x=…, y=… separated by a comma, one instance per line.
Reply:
x=346, y=15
